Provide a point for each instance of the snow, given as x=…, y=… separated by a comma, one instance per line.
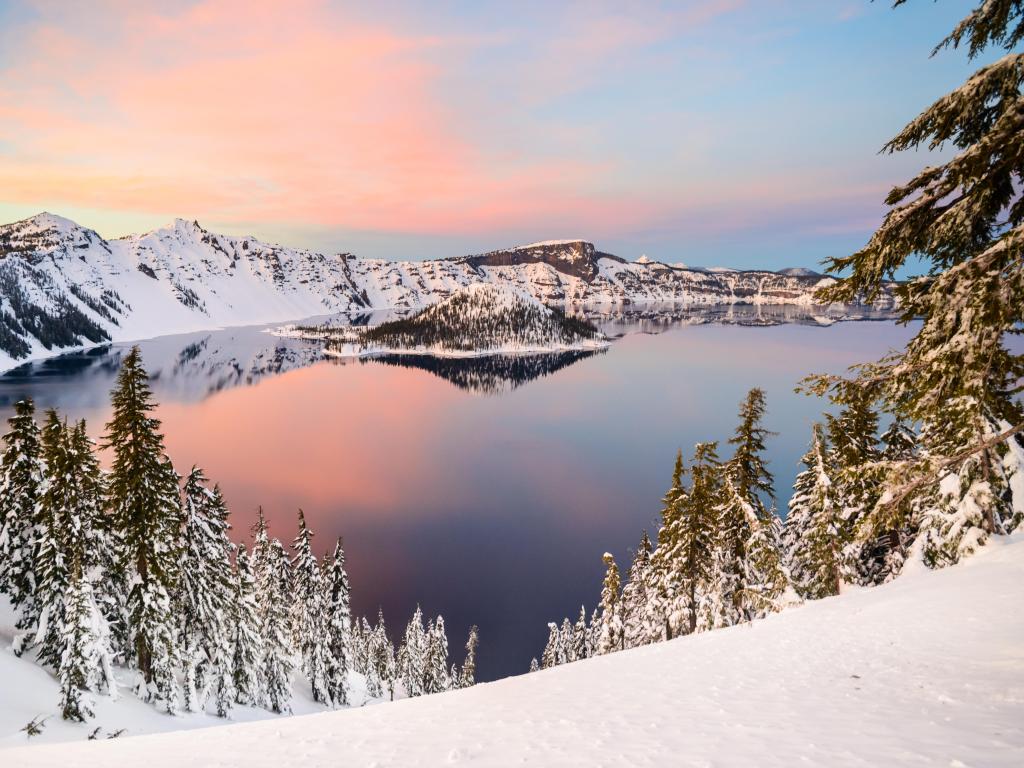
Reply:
x=925, y=670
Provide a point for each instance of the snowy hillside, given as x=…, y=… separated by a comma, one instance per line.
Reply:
x=926, y=670
x=62, y=285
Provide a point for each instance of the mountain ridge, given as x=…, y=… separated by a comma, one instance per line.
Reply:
x=63, y=285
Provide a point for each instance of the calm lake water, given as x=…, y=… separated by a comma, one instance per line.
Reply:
x=485, y=492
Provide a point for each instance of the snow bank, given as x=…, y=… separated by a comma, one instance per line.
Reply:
x=927, y=670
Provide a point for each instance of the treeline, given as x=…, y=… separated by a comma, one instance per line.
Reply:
x=723, y=555
x=133, y=567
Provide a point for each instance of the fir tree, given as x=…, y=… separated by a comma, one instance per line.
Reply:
x=273, y=586
x=567, y=644
x=305, y=594
x=411, y=655
x=956, y=377
x=748, y=467
x=813, y=532
x=435, y=667
x=581, y=646
x=338, y=616
x=612, y=636
x=246, y=640
x=383, y=657
x=86, y=661
x=204, y=597
x=660, y=607
x=549, y=658
x=467, y=676
x=636, y=595
x=534, y=666
x=143, y=497
x=21, y=474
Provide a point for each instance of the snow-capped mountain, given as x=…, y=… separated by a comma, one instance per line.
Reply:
x=63, y=285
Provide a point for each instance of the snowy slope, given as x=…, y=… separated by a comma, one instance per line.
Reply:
x=62, y=285
x=927, y=670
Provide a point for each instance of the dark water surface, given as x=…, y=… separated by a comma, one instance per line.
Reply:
x=486, y=492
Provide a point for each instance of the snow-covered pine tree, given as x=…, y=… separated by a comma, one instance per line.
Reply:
x=338, y=615
x=21, y=474
x=690, y=563
x=748, y=467
x=204, y=597
x=659, y=607
x=534, y=666
x=956, y=377
x=273, y=584
x=467, y=675
x=581, y=646
x=636, y=594
x=86, y=661
x=305, y=596
x=246, y=640
x=383, y=657
x=549, y=658
x=813, y=535
x=567, y=644
x=435, y=667
x=612, y=636
x=412, y=655
x=143, y=498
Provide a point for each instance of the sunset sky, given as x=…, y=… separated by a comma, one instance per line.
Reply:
x=734, y=132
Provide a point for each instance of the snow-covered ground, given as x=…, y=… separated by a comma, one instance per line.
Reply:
x=928, y=670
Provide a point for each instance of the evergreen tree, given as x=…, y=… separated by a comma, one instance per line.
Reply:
x=660, y=607
x=204, y=597
x=305, y=596
x=467, y=676
x=383, y=657
x=748, y=467
x=412, y=655
x=813, y=532
x=612, y=635
x=636, y=596
x=956, y=377
x=581, y=646
x=86, y=661
x=21, y=474
x=246, y=640
x=435, y=667
x=273, y=586
x=549, y=658
x=339, y=628
x=690, y=560
x=534, y=666
x=143, y=497
x=567, y=642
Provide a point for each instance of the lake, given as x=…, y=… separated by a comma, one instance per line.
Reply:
x=484, y=491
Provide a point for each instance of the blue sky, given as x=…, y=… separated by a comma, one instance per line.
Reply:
x=735, y=132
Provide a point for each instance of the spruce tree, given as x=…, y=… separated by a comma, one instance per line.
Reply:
x=612, y=634
x=143, y=498
x=246, y=640
x=338, y=616
x=204, y=597
x=305, y=596
x=581, y=646
x=534, y=665
x=435, y=667
x=567, y=644
x=956, y=377
x=748, y=467
x=411, y=655
x=467, y=676
x=383, y=657
x=21, y=474
x=660, y=607
x=549, y=658
x=273, y=589
x=636, y=596
x=813, y=534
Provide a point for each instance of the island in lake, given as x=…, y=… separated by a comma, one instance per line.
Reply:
x=475, y=321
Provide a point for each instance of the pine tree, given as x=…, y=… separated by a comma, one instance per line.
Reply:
x=86, y=661
x=549, y=658
x=534, y=666
x=435, y=667
x=467, y=676
x=383, y=657
x=660, y=606
x=567, y=642
x=21, y=474
x=273, y=587
x=339, y=627
x=956, y=377
x=581, y=646
x=305, y=595
x=690, y=562
x=612, y=635
x=204, y=597
x=411, y=655
x=813, y=533
x=748, y=467
x=638, y=592
x=246, y=640
x=143, y=497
